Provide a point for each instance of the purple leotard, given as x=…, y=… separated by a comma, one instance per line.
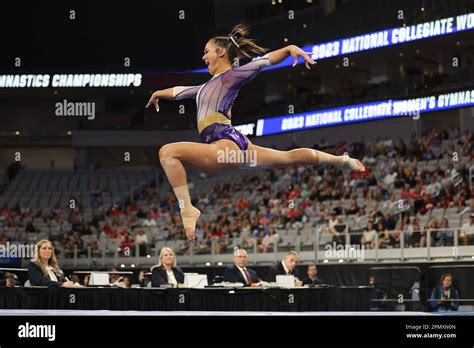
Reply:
x=217, y=96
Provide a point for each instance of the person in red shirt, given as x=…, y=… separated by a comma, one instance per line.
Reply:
x=132, y=208
x=154, y=214
x=293, y=213
x=293, y=192
x=127, y=245
x=242, y=203
x=110, y=231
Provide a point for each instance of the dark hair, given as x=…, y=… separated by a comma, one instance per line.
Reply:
x=445, y=276
x=238, y=45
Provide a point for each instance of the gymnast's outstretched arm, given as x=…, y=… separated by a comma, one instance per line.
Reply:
x=278, y=56
x=173, y=93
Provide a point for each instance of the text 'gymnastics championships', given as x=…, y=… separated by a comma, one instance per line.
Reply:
x=70, y=80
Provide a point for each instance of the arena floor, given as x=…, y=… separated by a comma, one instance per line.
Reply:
x=65, y=312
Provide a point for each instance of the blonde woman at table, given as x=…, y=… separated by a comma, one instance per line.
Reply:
x=166, y=272
x=44, y=270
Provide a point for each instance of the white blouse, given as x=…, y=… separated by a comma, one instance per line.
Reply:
x=171, y=278
x=52, y=275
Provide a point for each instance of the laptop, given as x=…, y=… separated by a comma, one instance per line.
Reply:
x=285, y=281
x=194, y=280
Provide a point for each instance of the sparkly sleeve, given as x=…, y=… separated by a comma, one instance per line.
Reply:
x=185, y=92
x=238, y=76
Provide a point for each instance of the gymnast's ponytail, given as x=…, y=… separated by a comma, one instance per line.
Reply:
x=238, y=45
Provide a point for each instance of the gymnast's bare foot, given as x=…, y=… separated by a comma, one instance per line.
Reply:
x=190, y=217
x=353, y=164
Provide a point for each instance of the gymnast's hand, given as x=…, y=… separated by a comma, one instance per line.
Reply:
x=296, y=52
x=154, y=100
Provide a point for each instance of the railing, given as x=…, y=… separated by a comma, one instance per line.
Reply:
x=318, y=246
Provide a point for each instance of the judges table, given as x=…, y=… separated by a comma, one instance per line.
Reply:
x=208, y=299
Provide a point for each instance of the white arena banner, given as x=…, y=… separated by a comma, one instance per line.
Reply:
x=70, y=80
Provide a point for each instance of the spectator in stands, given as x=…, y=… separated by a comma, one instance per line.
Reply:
x=142, y=240
x=369, y=237
x=467, y=231
x=321, y=220
x=126, y=282
x=127, y=246
x=406, y=228
x=97, y=198
x=383, y=235
x=339, y=209
x=239, y=273
x=149, y=221
x=445, y=235
x=166, y=271
x=30, y=227
x=44, y=270
x=183, y=247
x=338, y=230
x=444, y=296
x=416, y=232
x=396, y=234
x=353, y=208
x=221, y=238
x=312, y=278
x=94, y=244
x=287, y=266
x=205, y=244
x=78, y=243
x=269, y=241
x=389, y=223
x=432, y=227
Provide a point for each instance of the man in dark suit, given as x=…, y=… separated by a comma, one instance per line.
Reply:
x=239, y=273
x=287, y=266
x=312, y=278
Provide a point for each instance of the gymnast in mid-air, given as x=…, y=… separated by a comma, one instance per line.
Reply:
x=214, y=103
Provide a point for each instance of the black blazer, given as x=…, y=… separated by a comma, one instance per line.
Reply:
x=277, y=269
x=233, y=275
x=37, y=278
x=159, y=276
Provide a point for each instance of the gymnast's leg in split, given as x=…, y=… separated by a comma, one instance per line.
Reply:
x=205, y=157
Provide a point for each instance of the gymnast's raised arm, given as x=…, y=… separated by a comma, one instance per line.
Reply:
x=278, y=56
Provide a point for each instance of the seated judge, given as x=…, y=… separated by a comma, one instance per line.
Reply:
x=239, y=273
x=44, y=270
x=116, y=280
x=312, y=278
x=166, y=272
x=287, y=266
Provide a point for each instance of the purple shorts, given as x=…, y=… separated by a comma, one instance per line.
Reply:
x=218, y=131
